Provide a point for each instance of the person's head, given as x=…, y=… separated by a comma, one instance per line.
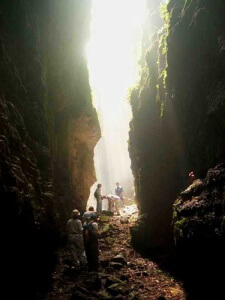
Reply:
x=91, y=208
x=191, y=176
x=117, y=184
x=75, y=214
x=99, y=185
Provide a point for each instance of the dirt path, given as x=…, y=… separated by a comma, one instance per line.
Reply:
x=123, y=274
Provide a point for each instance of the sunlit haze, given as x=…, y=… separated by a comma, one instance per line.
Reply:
x=113, y=53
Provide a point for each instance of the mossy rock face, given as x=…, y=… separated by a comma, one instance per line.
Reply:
x=179, y=228
x=178, y=111
x=198, y=213
x=48, y=128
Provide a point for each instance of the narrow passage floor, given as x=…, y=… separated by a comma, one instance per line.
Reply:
x=123, y=274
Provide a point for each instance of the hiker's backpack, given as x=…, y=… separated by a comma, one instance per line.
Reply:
x=89, y=234
x=96, y=195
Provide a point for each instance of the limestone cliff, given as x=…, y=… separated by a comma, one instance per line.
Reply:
x=178, y=111
x=48, y=130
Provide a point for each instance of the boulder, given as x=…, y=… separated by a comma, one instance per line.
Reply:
x=104, y=218
x=105, y=229
x=124, y=278
x=131, y=296
x=109, y=240
x=117, y=289
x=93, y=282
x=104, y=295
x=119, y=259
x=116, y=266
x=104, y=262
x=111, y=280
x=124, y=220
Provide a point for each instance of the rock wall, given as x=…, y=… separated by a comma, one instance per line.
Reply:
x=199, y=231
x=48, y=130
x=178, y=108
x=198, y=216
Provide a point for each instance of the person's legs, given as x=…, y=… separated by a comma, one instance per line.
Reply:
x=112, y=205
x=124, y=201
x=99, y=206
x=117, y=207
x=109, y=204
x=73, y=249
x=80, y=249
x=88, y=255
x=94, y=257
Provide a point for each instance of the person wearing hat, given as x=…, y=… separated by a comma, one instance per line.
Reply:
x=75, y=239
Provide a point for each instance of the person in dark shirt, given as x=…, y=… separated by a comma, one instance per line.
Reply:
x=98, y=197
x=91, y=236
x=119, y=190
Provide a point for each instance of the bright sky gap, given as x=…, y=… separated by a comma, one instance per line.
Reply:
x=113, y=53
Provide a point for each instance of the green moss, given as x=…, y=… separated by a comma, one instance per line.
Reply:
x=164, y=13
x=162, y=34
x=178, y=228
x=174, y=214
x=162, y=108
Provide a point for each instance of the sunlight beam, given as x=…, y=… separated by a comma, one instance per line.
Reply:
x=113, y=53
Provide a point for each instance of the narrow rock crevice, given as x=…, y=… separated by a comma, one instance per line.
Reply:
x=49, y=129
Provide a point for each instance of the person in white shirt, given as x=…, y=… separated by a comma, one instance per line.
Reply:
x=113, y=203
x=75, y=239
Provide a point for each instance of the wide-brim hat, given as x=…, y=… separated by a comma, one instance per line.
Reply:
x=75, y=212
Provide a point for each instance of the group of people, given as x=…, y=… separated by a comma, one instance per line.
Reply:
x=113, y=199
x=83, y=239
x=83, y=231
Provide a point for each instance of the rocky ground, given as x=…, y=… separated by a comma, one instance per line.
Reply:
x=123, y=274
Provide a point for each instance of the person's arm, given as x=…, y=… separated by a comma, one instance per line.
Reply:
x=95, y=230
x=67, y=227
x=95, y=226
x=80, y=228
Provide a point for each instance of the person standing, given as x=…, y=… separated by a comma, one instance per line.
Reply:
x=75, y=239
x=98, y=197
x=91, y=236
x=119, y=190
x=192, y=177
x=119, y=193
